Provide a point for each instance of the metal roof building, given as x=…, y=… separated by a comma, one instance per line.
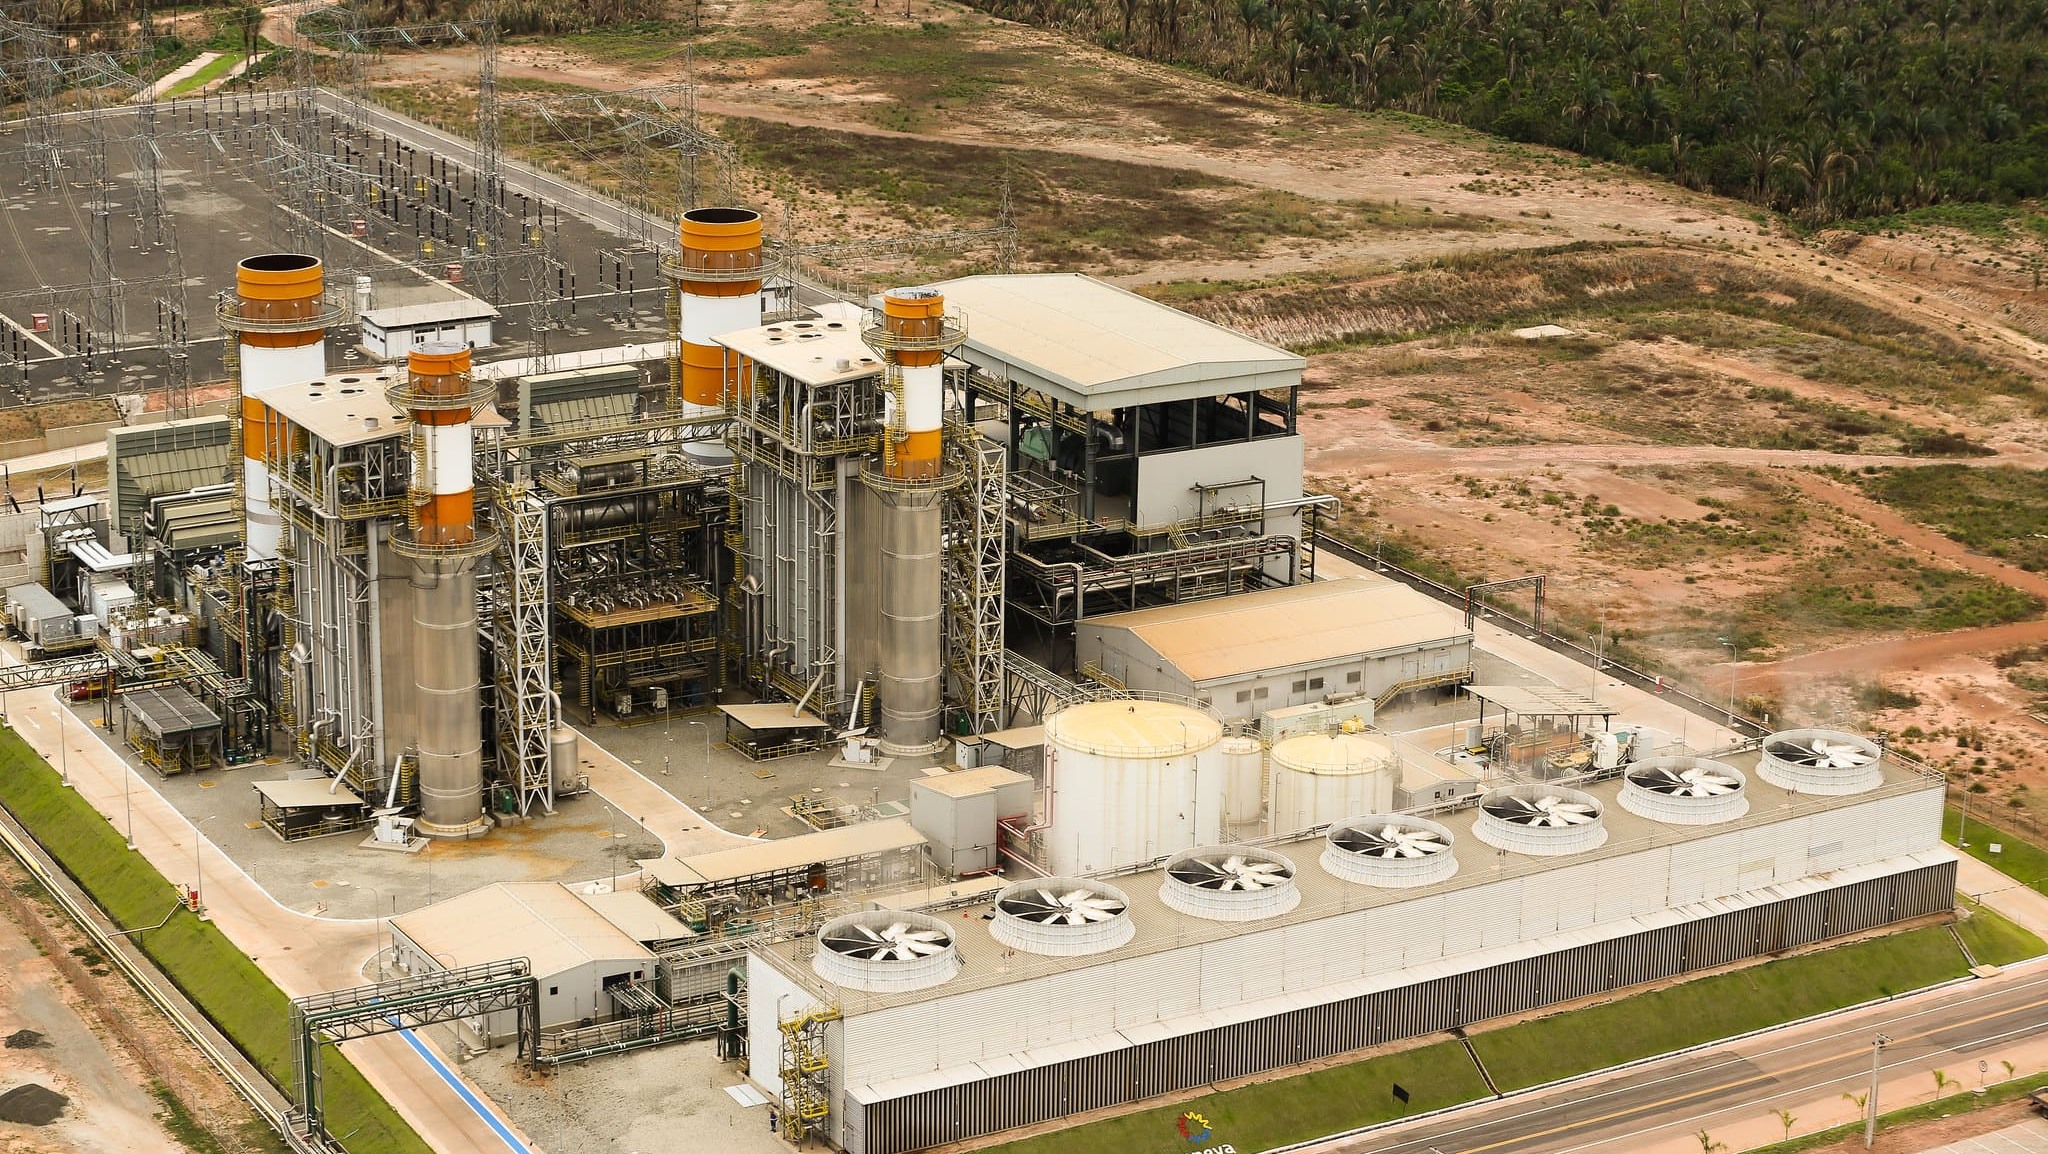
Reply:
x=1008, y=1037
x=577, y=952
x=1097, y=346
x=1357, y=636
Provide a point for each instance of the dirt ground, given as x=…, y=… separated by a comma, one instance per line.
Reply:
x=110, y=1107
x=1653, y=465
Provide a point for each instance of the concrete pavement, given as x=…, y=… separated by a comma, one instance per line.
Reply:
x=302, y=954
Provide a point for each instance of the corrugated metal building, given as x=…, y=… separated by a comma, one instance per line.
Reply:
x=1357, y=636
x=1016, y=1038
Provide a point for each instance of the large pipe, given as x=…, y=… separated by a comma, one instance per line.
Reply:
x=718, y=280
x=913, y=336
x=281, y=340
x=440, y=396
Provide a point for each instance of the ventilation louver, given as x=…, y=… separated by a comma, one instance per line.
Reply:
x=1684, y=790
x=885, y=951
x=1229, y=883
x=1392, y=851
x=1540, y=820
x=1822, y=761
x=1063, y=917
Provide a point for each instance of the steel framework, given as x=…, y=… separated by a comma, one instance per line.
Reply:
x=524, y=657
x=407, y=1004
x=973, y=567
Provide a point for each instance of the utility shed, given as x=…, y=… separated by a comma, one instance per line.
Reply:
x=390, y=333
x=576, y=952
x=172, y=729
x=957, y=813
x=1357, y=636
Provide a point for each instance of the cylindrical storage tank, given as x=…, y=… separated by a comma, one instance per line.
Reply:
x=1319, y=778
x=1127, y=783
x=1244, y=778
x=564, y=762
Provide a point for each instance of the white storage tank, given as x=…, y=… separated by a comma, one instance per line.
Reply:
x=1319, y=778
x=564, y=765
x=1244, y=778
x=1131, y=780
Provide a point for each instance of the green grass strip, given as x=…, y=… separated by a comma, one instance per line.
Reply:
x=218, y=978
x=1993, y=940
x=1269, y=1114
x=1996, y=1094
x=214, y=70
x=1705, y=1009
x=2017, y=858
x=1292, y=1109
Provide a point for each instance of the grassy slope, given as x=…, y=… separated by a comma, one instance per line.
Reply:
x=2020, y=860
x=217, y=976
x=1268, y=1114
x=1699, y=1011
x=1995, y=941
x=1546, y=1049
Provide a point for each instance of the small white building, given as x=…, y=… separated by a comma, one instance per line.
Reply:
x=580, y=947
x=390, y=333
x=1243, y=656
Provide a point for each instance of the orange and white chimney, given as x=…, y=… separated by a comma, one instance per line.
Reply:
x=914, y=320
x=281, y=335
x=718, y=279
x=912, y=335
x=439, y=375
x=440, y=397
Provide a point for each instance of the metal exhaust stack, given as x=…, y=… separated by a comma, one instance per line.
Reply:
x=281, y=324
x=442, y=540
x=718, y=283
x=912, y=334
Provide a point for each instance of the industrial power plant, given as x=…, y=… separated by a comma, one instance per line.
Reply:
x=1159, y=784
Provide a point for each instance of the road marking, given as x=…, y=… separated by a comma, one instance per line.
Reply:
x=456, y=1084
x=1727, y=1086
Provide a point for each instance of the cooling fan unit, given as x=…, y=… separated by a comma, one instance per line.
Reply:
x=1229, y=874
x=1390, y=841
x=899, y=942
x=1546, y=812
x=1694, y=782
x=1072, y=908
x=1819, y=752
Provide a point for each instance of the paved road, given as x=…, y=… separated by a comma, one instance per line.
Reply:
x=1730, y=1091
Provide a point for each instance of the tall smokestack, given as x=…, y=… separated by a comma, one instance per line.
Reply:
x=718, y=281
x=281, y=328
x=913, y=336
x=442, y=540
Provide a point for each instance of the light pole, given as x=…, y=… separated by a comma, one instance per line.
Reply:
x=1876, y=1065
x=611, y=842
x=1733, y=673
x=198, y=866
x=128, y=807
x=707, y=765
x=63, y=747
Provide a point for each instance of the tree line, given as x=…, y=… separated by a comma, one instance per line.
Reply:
x=1819, y=108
